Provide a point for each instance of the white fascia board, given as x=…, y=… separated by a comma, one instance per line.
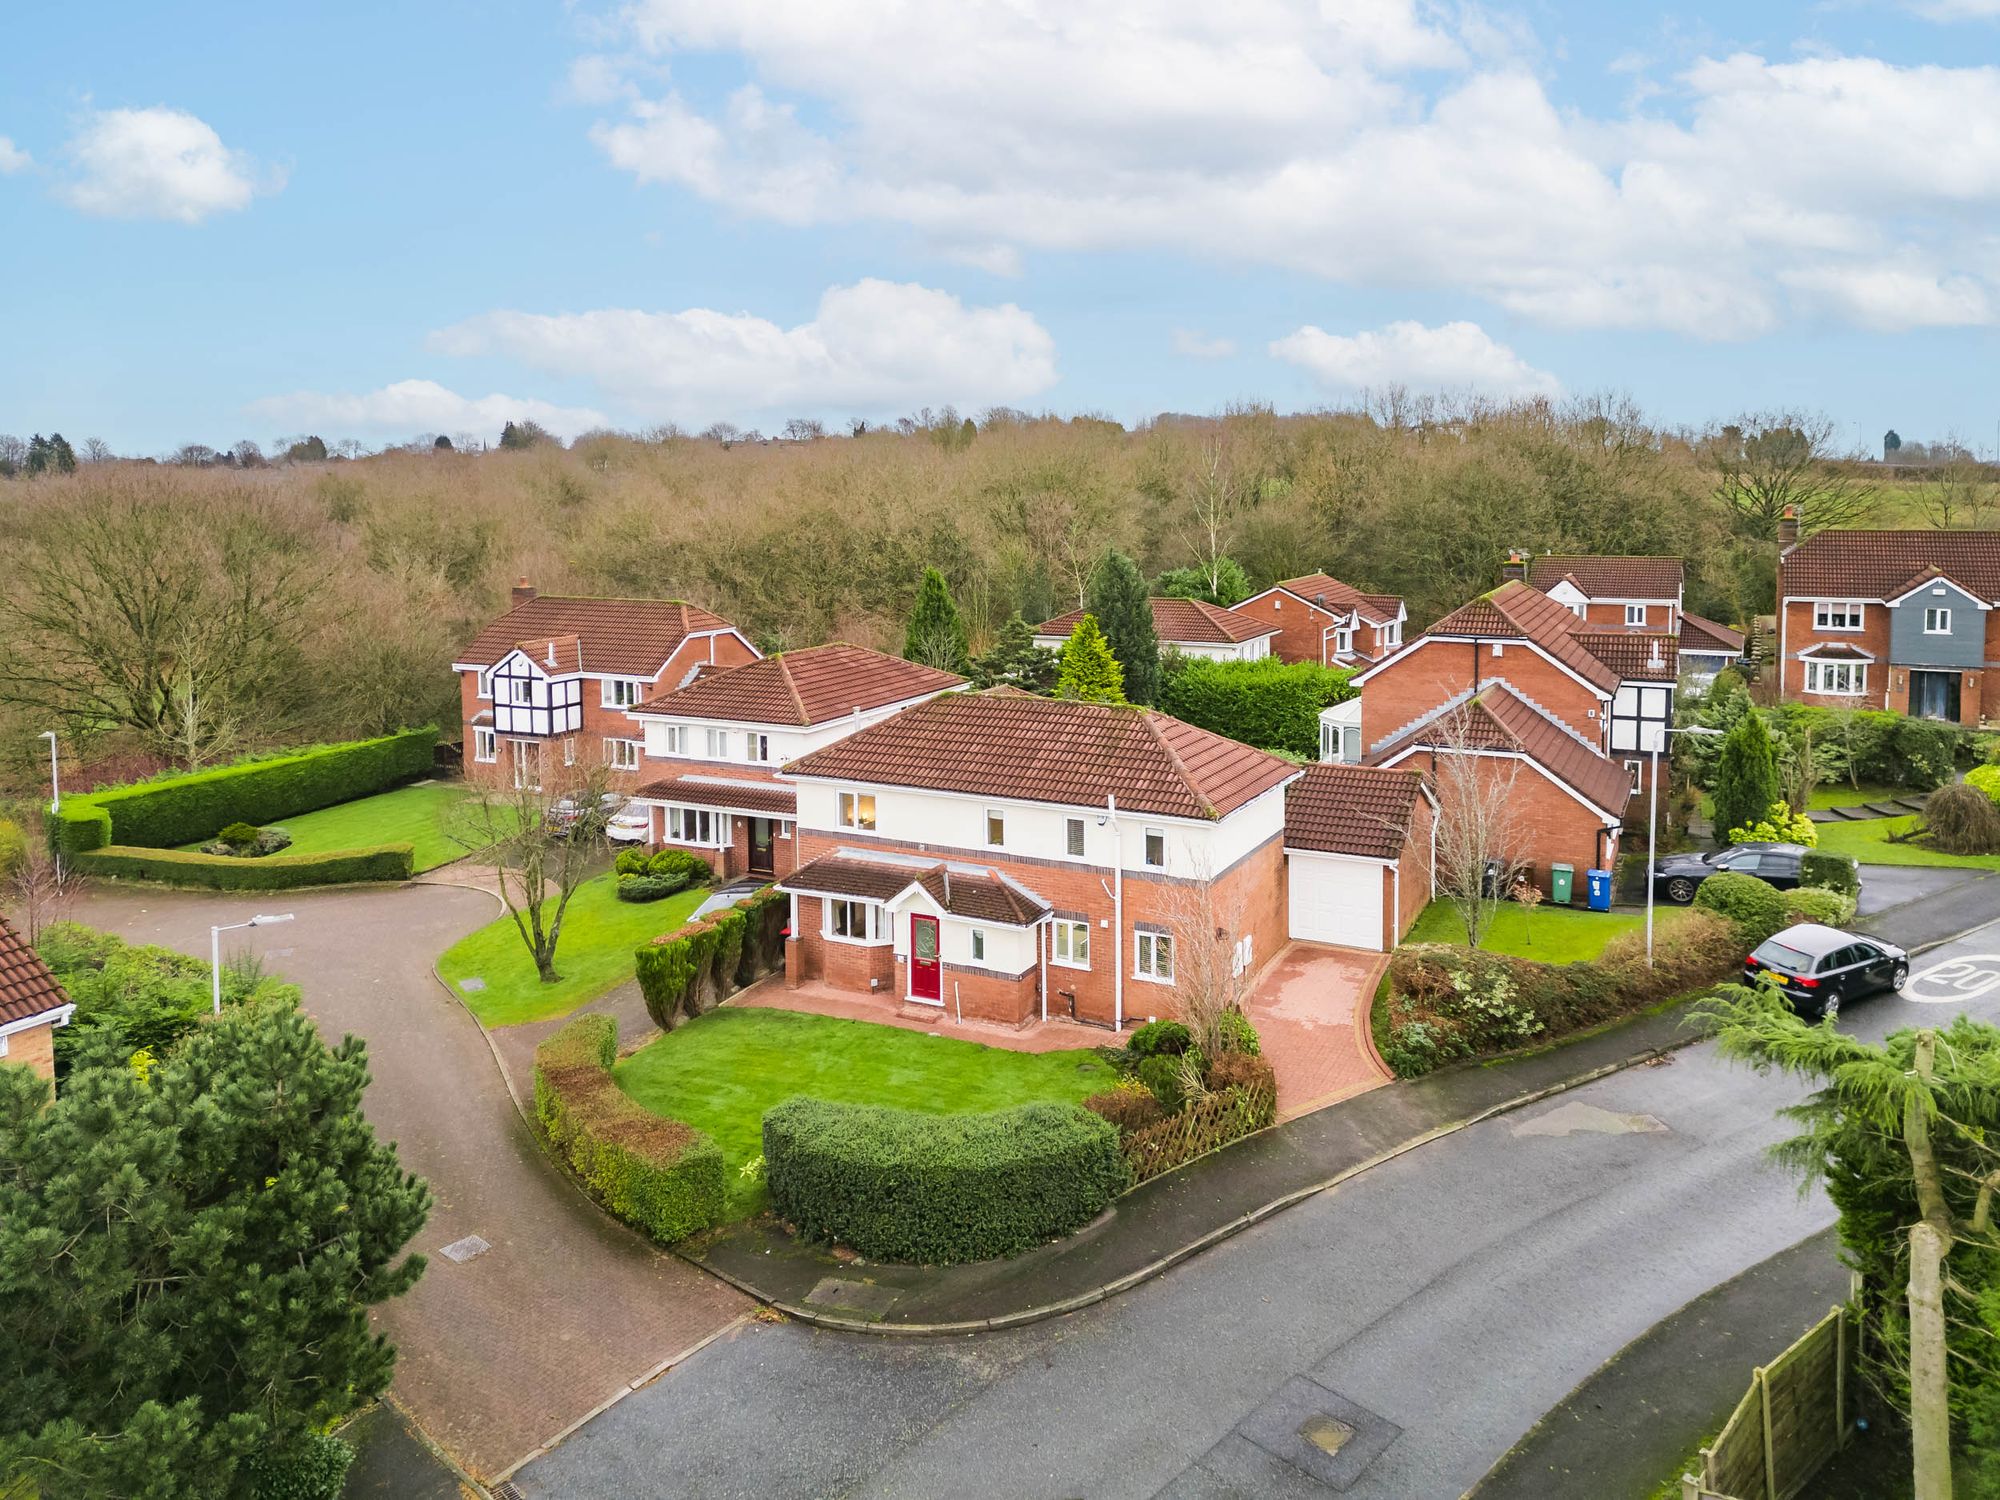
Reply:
x=1528, y=760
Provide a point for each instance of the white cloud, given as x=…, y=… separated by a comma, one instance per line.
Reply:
x=1457, y=356
x=1375, y=144
x=159, y=163
x=12, y=157
x=1955, y=10
x=876, y=346
x=409, y=407
x=1200, y=346
x=1892, y=298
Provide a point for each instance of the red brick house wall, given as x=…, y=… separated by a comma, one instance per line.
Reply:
x=1798, y=634
x=1424, y=676
x=1555, y=828
x=1301, y=626
x=733, y=858
x=1415, y=863
x=33, y=1048
x=1658, y=616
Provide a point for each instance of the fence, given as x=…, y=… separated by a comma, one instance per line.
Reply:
x=1788, y=1424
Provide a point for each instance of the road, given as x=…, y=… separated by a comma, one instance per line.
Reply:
x=1436, y=1306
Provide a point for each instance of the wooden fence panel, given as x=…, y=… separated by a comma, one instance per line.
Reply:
x=1788, y=1424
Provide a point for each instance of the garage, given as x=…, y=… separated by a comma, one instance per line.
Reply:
x=1335, y=899
x=1359, y=842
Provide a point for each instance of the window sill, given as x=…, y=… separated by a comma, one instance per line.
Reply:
x=1064, y=963
x=1151, y=979
x=834, y=937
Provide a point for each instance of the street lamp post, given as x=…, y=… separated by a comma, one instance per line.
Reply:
x=1653, y=820
x=262, y=919
x=55, y=776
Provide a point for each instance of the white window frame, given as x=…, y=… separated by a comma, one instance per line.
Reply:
x=677, y=739
x=1638, y=770
x=1154, y=837
x=1240, y=956
x=684, y=826
x=521, y=692
x=1343, y=640
x=569, y=749
x=1635, y=614
x=1075, y=838
x=872, y=921
x=757, y=747
x=485, y=746
x=1395, y=633
x=1153, y=957
x=718, y=744
x=977, y=939
x=623, y=755
x=996, y=828
x=1837, y=679
x=850, y=810
x=1839, y=614
x=621, y=692
x=1941, y=613
x=1069, y=944
x=483, y=684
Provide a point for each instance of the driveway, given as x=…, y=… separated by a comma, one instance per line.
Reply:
x=1310, y=1007
x=504, y=1351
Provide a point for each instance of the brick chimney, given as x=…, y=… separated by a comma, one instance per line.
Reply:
x=1788, y=527
x=1516, y=566
x=523, y=592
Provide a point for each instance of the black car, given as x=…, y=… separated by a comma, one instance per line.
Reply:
x=1819, y=967
x=1679, y=876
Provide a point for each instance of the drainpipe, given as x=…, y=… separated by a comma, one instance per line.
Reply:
x=1042, y=930
x=1396, y=897
x=1117, y=916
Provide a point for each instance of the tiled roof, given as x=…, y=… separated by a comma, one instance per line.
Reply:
x=630, y=637
x=1611, y=577
x=556, y=653
x=1185, y=621
x=1003, y=743
x=810, y=686
x=27, y=988
x=1882, y=564
x=982, y=897
x=1514, y=611
x=1376, y=609
x=1702, y=635
x=839, y=875
x=1363, y=810
x=758, y=795
x=1836, y=651
x=1500, y=719
x=976, y=892
x=1635, y=655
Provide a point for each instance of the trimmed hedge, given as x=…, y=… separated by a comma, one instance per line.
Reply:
x=1270, y=703
x=1828, y=908
x=183, y=809
x=924, y=1189
x=229, y=872
x=689, y=972
x=1755, y=907
x=1830, y=872
x=656, y=1174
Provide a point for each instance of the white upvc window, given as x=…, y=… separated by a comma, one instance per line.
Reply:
x=1343, y=641
x=484, y=678
x=1937, y=621
x=996, y=828
x=855, y=922
x=622, y=755
x=718, y=744
x=485, y=746
x=569, y=749
x=522, y=691
x=1069, y=944
x=1635, y=614
x=857, y=810
x=1637, y=770
x=694, y=825
x=1840, y=679
x=622, y=692
x=756, y=747
x=1073, y=837
x=1839, y=614
x=1156, y=848
x=978, y=945
x=1395, y=632
x=677, y=739
x=1153, y=957
x=1340, y=743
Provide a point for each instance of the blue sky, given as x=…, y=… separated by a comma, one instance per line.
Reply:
x=229, y=221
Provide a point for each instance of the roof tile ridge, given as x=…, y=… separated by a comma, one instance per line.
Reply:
x=792, y=687
x=1148, y=716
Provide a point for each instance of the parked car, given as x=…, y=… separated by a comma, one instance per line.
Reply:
x=563, y=816
x=631, y=824
x=1678, y=876
x=1819, y=967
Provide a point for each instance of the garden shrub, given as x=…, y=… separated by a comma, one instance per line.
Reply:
x=227, y=872
x=13, y=846
x=657, y=1174
x=1828, y=908
x=1985, y=779
x=1236, y=1070
x=690, y=971
x=926, y=1189
x=1268, y=702
x=647, y=887
x=1756, y=907
x=1778, y=825
x=1238, y=1035
x=1130, y=1106
x=630, y=861
x=316, y=1469
x=1923, y=752
x=1243, y=1101
x=1161, y=1073
x=1962, y=820
x=239, y=835
x=691, y=869
x=1160, y=1038
x=1832, y=872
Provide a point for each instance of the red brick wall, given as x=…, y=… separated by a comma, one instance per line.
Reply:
x=1554, y=827
x=1798, y=634
x=1418, y=681
x=1658, y=616
x=1415, y=860
x=981, y=994
x=33, y=1049
x=1301, y=626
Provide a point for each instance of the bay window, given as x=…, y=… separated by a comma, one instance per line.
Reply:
x=854, y=921
x=1841, y=679
x=694, y=825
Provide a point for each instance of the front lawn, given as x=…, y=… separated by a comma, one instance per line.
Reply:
x=595, y=954
x=412, y=815
x=1553, y=935
x=720, y=1072
x=1868, y=842
x=1838, y=794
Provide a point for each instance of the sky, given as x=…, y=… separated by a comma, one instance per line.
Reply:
x=371, y=221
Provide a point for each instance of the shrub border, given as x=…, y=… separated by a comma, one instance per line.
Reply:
x=394, y=863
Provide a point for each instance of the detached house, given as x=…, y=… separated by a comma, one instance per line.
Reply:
x=1640, y=594
x=1890, y=619
x=1194, y=627
x=32, y=1006
x=1321, y=619
x=711, y=750
x=551, y=680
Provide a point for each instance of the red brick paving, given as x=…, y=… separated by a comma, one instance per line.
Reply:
x=1310, y=1008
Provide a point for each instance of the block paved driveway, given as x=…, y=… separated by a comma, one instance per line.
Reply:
x=1310, y=1007
x=507, y=1350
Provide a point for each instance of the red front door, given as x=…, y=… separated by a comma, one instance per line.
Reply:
x=926, y=974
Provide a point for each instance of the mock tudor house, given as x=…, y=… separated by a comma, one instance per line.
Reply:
x=1637, y=594
x=32, y=1006
x=1194, y=627
x=1321, y=619
x=554, y=677
x=712, y=749
x=1903, y=620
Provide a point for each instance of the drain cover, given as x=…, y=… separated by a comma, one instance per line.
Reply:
x=464, y=1250
x=1318, y=1432
x=1325, y=1433
x=473, y=985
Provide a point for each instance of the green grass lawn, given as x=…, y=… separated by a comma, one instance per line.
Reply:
x=721, y=1072
x=595, y=954
x=1832, y=795
x=1553, y=935
x=412, y=815
x=1868, y=842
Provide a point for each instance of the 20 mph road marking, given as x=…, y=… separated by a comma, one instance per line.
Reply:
x=1955, y=981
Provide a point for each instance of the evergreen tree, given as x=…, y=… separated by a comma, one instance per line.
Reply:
x=40, y=456
x=1228, y=584
x=187, y=1259
x=1089, y=672
x=936, y=635
x=1016, y=661
x=1746, y=776
x=307, y=450
x=62, y=457
x=1117, y=597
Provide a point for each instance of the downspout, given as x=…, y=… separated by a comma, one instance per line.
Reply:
x=1396, y=908
x=1042, y=933
x=1117, y=916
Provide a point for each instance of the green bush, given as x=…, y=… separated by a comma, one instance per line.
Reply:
x=1828, y=908
x=1160, y=1038
x=1986, y=779
x=1756, y=908
x=690, y=869
x=648, y=887
x=691, y=971
x=1268, y=702
x=182, y=809
x=1962, y=820
x=1833, y=872
x=1243, y=1098
x=1130, y=1106
x=1238, y=1035
x=13, y=846
x=657, y=1174
x=939, y=1189
x=224, y=872
x=240, y=834
x=315, y=1470
x=1161, y=1073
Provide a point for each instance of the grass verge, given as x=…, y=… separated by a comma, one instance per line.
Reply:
x=1869, y=842
x=1551, y=935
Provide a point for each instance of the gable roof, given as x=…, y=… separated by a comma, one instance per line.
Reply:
x=1010, y=744
x=1610, y=577
x=1376, y=609
x=626, y=637
x=1360, y=810
x=1883, y=564
x=553, y=654
x=1193, y=622
x=1499, y=719
x=28, y=991
x=1514, y=611
x=977, y=892
x=810, y=686
x=1635, y=655
x=1706, y=636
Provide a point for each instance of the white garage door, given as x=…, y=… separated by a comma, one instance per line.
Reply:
x=1335, y=900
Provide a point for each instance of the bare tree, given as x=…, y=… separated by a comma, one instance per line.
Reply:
x=1957, y=493
x=1773, y=461
x=95, y=451
x=542, y=842
x=1211, y=965
x=40, y=888
x=1479, y=831
x=199, y=720
x=1208, y=525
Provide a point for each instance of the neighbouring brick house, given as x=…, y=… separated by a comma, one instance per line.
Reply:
x=32, y=1006
x=1903, y=620
x=1642, y=595
x=1194, y=627
x=712, y=749
x=549, y=682
x=1321, y=619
